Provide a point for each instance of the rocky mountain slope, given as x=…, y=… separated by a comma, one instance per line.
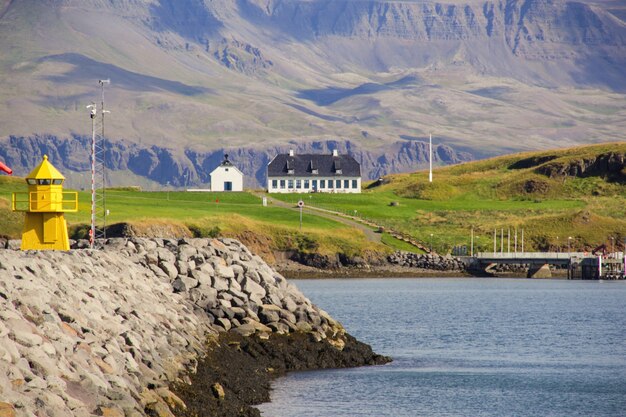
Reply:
x=194, y=77
x=186, y=168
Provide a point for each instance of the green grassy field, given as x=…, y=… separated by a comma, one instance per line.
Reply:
x=229, y=214
x=502, y=194
x=507, y=193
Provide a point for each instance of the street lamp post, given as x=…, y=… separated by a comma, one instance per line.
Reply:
x=612, y=244
x=431, y=242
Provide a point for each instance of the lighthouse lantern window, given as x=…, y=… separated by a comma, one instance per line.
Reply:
x=31, y=181
x=57, y=182
x=44, y=181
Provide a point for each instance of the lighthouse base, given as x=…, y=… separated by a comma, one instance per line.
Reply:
x=45, y=231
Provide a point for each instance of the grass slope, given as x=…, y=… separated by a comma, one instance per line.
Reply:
x=490, y=195
x=228, y=214
x=499, y=194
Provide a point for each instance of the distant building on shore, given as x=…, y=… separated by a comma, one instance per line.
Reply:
x=305, y=173
x=226, y=177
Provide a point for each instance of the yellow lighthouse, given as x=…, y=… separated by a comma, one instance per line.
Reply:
x=44, y=205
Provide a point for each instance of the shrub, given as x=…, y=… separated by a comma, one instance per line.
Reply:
x=202, y=231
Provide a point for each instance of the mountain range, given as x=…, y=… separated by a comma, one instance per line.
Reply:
x=194, y=79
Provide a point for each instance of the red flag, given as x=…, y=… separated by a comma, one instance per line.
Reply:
x=5, y=169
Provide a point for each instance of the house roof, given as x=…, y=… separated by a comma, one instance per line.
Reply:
x=306, y=165
x=226, y=164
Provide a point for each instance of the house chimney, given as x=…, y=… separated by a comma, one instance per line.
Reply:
x=335, y=152
x=290, y=152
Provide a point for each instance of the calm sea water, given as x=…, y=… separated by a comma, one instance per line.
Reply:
x=469, y=347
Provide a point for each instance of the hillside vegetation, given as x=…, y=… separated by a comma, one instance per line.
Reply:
x=179, y=214
x=552, y=196
x=573, y=196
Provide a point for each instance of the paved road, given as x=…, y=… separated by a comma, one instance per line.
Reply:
x=369, y=233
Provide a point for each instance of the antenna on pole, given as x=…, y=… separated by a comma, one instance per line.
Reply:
x=430, y=159
x=98, y=171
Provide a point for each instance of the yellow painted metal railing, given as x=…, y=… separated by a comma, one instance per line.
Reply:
x=46, y=201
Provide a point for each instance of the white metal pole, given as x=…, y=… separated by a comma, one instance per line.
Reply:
x=472, y=247
x=430, y=159
x=522, y=240
x=508, y=240
x=502, y=240
x=495, y=241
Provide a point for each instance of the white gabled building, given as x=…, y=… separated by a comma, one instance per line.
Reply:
x=334, y=173
x=226, y=177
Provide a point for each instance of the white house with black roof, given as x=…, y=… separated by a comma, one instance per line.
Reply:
x=329, y=173
x=226, y=177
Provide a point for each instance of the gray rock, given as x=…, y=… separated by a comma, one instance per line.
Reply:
x=182, y=267
x=288, y=316
x=178, y=285
x=289, y=304
x=280, y=328
x=152, y=258
x=189, y=282
x=185, y=252
x=221, y=283
x=269, y=313
x=224, y=322
x=169, y=268
x=204, y=279
x=27, y=338
x=165, y=255
x=224, y=271
x=253, y=289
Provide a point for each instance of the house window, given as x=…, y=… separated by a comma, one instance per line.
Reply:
x=337, y=183
x=298, y=184
x=346, y=183
x=282, y=184
x=322, y=183
x=274, y=183
x=354, y=184
x=290, y=184
x=314, y=184
x=226, y=169
x=228, y=186
x=306, y=184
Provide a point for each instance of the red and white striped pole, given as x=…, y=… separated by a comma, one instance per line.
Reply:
x=92, y=231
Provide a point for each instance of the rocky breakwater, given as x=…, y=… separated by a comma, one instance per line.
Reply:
x=118, y=331
x=431, y=262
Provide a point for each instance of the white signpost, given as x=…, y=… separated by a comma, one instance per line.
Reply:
x=300, y=205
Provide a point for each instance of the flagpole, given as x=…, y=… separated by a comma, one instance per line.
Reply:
x=430, y=159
